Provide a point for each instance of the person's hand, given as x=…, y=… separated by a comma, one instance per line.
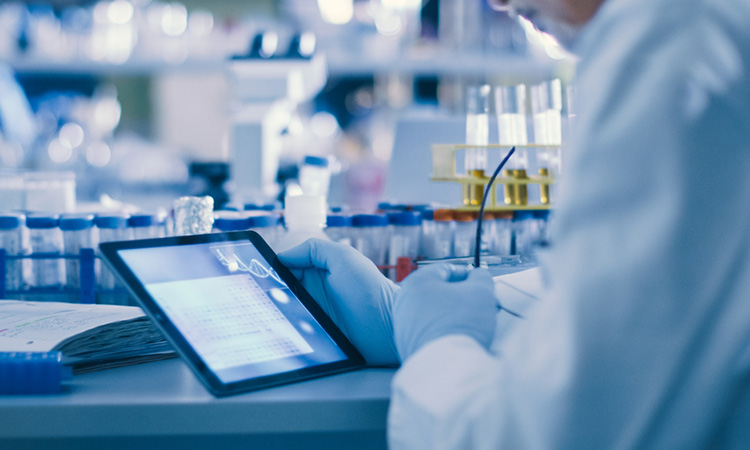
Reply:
x=439, y=300
x=352, y=291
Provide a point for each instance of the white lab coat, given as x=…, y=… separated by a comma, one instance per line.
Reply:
x=643, y=338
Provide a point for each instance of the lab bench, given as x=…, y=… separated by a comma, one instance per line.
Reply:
x=161, y=405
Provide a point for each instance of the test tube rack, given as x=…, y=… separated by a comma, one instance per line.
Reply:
x=444, y=170
x=87, y=293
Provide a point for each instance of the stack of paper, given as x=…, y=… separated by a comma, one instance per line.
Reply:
x=90, y=337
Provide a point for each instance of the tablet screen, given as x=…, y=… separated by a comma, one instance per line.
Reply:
x=232, y=308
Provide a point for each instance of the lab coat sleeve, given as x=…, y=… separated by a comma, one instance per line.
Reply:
x=639, y=340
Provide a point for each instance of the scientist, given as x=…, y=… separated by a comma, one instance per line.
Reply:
x=642, y=339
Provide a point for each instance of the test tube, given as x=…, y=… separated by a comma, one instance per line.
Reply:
x=47, y=270
x=477, y=133
x=503, y=233
x=339, y=228
x=370, y=236
x=14, y=239
x=112, y=227
x=510, y=104
x=78, y=232
x=438, y=242
x=464, y=237
x=546, y=104
x=405, y=233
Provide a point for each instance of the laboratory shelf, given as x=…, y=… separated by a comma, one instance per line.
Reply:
x=82, y=66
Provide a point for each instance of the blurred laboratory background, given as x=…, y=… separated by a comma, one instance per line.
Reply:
x=125, y=119
x=142, y=101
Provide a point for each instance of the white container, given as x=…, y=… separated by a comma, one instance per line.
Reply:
x=304, y=218
x=405, y=230
x=14, y=239
x=50, y=191
x=46, y=242
x=314, y=176
x=370, y=236
x=11, y=191
x=78, y=233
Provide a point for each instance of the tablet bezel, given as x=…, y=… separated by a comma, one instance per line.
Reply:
x=353, y=361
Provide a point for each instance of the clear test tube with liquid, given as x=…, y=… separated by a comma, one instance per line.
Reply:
x=477, y=133
x=546, y=106
x=510, y=105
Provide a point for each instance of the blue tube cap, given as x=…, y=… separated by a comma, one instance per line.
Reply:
x=32, y=373
x=231, y=223
x=315, y=161
x=338, y=220
x=541, y=214
x=405, y=218
x=42, y=220
x=369, y=220
x=11, y=220
x=76, y=222
x=142, y=220
x=523, y=215
x=111, y=221
x=263, y=221
x=261, y=207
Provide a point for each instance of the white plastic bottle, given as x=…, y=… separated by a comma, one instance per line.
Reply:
x=304, y=218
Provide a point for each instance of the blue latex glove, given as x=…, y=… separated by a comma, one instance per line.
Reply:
x=439, y=300
x=352, y=291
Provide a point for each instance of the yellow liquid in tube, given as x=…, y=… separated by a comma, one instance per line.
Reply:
x=544, y=187
x=521, y=197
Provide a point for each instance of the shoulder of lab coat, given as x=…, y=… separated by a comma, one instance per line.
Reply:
x=642, y=339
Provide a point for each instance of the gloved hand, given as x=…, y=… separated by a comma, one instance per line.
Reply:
x=352, y=291
x=439, y=300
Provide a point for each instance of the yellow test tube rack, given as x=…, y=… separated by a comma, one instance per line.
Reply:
x=513, y=182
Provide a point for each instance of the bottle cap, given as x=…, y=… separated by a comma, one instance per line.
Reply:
x=541, y=214
x=263, y=220
x=141, y=220
x=465, y=216
x=111, y=220
x=338, y=220
x=405, y=218
x=76, y=222
x=230, y=221
x=523, y=214
x=369, y=220
x=505, y=215
x=315, y=161
x=428, y=214
x=442, y=215
x=261, y=207
x=29, y=373
x=11, y=220
x=42, y=220
x=304, y=211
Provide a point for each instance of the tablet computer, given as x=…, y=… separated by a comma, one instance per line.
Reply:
x=233, y=312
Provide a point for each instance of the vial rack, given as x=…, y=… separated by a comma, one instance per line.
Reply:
x=444, y=170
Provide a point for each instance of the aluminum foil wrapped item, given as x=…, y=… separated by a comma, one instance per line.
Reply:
x=193, y=215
